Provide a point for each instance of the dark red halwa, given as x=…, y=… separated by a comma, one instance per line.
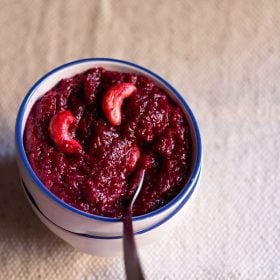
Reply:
x=98, y=178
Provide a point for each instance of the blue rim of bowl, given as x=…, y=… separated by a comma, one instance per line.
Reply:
x=20, y=145
x=143, y=231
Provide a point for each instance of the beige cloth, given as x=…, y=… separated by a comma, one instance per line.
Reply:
x=223, y=56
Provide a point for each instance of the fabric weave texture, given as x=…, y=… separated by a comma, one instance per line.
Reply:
x=223, y=57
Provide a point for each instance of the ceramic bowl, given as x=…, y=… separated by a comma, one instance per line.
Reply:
x=61, y=217
x=109, y=246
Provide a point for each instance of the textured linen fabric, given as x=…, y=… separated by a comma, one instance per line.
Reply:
x=224, y=57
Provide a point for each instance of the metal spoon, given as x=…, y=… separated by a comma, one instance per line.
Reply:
x=131, y=260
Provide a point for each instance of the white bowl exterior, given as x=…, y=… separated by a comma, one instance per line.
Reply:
x=113, y=247
x=60, y=215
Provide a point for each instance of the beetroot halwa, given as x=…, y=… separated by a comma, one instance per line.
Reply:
x=88, y=138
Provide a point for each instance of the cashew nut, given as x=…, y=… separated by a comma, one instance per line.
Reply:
x=59, y=132
x=133, y=157
x=113, y=99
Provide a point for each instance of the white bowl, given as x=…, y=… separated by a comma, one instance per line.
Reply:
x=76, y=222
x=110, y=246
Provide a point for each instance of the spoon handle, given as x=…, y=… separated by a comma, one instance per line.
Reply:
x=131, y=260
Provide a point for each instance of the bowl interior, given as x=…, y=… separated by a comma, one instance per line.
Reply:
x=68, y=70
